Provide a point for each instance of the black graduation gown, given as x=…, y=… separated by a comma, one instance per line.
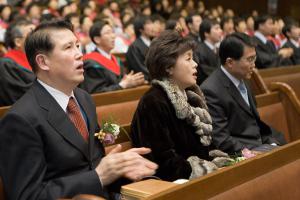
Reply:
x=296, y=56
x=15, y=80
x=135, y=57
x=267, y=55
x=98, y=78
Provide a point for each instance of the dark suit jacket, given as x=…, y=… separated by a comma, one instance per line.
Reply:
x=296, y=56
x=267, y=55
x=135, y=57
x=97, y=78
x=207, y=62
x=235, y=124
x=42, y=154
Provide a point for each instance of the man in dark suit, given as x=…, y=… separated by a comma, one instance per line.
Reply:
x=291, y=31
x=102, y=70
x=236, y=123
x=47, y=145
x=267, y=55
x=206, y=53
x=135, y=56
x=193, y=22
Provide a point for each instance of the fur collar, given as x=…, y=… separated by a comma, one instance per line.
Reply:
x=190, y=106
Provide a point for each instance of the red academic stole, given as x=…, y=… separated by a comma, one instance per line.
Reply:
x=19, y=57
x=111, y=65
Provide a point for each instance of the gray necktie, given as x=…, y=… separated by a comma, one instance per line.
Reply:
x=243, y=91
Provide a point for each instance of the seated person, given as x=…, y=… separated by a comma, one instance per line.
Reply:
x=135, y=56
x=172, y=117
x=236, y=123
x=292, y=32
x=16, y=75
x=206, y=53
x=47, y=145
x=102, y=70
x=267, y=55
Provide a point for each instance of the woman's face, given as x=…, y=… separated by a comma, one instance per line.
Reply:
x=184, y=73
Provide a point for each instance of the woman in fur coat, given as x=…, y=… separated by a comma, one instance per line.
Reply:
x=172, y=117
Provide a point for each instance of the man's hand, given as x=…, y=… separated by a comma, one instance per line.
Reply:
x=132, y=80
x=129, y=164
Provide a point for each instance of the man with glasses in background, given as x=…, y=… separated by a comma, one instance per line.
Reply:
x=236, y=122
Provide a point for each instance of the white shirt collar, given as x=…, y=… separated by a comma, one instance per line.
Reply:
x=260, y=36
x=210, y=45
x=104, y=53
x=61, y=98
x=295, y=43
x=234, y=80
x=146, y=41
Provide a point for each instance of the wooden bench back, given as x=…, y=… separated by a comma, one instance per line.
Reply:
x=272, y=175
x=273, y=113
x=261, y=79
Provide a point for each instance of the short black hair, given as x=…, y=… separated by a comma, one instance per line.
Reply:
x=261, y=20
x=39, y=40
x=237, y=21
x=139, y=23
x=96, y=29
x=225, y=20
x=206, y=26
x=189, y=18
x=233, y=46
x=164, y=51
x=14, y=31
x=288, y=26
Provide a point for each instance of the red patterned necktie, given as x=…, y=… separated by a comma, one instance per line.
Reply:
x=77, y=119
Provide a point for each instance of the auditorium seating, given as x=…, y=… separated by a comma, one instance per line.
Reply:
x=274, y=175
x=261, y=79
x=114, y=100
x=118, y=106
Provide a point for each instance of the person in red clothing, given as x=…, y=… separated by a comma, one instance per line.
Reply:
x=16, y=75
x=103, y=71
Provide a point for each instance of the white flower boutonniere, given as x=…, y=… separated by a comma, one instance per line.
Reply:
x=109, y=133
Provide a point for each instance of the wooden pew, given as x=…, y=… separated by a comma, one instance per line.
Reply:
x=107, y=98
x=3, y=110
x=118, y=106
x=281, y=110
x=273, y=175
x=261, y=79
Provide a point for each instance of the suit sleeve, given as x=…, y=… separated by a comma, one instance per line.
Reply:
x=222, y=138
x=97, y=79
x=23, y=166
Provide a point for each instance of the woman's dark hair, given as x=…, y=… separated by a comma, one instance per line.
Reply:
x=233, y=46
x=39, y=40
x=164, y=51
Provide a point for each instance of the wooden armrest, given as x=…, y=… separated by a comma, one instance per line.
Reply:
x=143, y=189
x=85, y=197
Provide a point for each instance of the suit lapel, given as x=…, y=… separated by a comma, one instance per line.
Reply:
x=233, y=91
x=58, y=119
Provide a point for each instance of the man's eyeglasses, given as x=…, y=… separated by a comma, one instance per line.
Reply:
x=250, y=59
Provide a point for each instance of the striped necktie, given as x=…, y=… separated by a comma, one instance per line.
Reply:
x=77, y=119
